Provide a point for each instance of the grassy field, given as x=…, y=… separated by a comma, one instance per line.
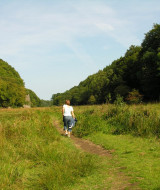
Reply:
x=35, y=156
x=130, y=132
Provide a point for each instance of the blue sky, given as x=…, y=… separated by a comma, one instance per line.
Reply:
x=55, y=44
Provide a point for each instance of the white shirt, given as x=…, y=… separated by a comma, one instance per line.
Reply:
x=67, y=110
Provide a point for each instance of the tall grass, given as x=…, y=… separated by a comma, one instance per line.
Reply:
x=139, y=120
x=33, y=155
x=121, y=129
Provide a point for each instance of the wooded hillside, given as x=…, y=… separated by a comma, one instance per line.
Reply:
x=35, y=100
x=12, y=90
x=134, y=76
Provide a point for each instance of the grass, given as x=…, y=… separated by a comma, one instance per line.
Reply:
x=35, y=156
x=130, y=132
x=139, y=157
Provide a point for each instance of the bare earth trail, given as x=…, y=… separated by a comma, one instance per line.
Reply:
x=121, y=181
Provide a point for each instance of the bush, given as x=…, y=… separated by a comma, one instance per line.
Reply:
x=92, y=100
x=119, y=100
x=134, y=97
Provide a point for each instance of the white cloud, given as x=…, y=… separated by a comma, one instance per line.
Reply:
x=27, y=27
x=105, y=27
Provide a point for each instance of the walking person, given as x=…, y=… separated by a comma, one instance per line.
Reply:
x=68, y=116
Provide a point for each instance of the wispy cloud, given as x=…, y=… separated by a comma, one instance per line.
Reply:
x=27, y=27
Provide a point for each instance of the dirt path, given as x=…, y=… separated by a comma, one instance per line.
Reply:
x=121, y=181
x=85, y=145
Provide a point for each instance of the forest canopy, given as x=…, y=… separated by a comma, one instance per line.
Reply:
x=134, y=75
x=12, y=90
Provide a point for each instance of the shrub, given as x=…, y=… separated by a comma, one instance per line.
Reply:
x=92, y=100
x=134, y=97
x=119, y=100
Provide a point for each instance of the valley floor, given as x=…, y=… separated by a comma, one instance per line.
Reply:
x=34, y=153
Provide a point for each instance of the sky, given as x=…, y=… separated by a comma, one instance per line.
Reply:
x=56, y=44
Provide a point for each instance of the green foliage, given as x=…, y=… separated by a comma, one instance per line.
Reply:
x=152, y=39
x=122, y=90
x=108, y=98
x=134, y=97
x=46, y=103
x=12, y=91
x=91, y=100
x=150, y=64
x=35, y=101
x=119, y=100
x=140, y=120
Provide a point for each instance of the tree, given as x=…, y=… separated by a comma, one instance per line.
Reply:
x=46, y=103
x=150, y=64
x=12, y=90
x=108, y=98
x=122, y=90
x=91, y=100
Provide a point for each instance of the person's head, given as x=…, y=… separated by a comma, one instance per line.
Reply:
x=68, y=102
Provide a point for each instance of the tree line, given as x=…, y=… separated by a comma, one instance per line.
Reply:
x=133, y=77
x=12, y=89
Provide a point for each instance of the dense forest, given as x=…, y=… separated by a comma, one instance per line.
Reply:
x=133, y=77
x=12, y=90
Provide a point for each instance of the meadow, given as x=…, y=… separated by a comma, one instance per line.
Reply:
x=131, y=132
x=35, y=156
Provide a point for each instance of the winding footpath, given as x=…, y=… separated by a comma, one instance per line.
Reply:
x=121, y=181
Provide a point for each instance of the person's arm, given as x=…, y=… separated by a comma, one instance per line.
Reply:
x=72, y=114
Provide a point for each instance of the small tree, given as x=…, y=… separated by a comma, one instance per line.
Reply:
x=108, y=98
x=91, y=100
x=119, y=100
x=134, y=97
